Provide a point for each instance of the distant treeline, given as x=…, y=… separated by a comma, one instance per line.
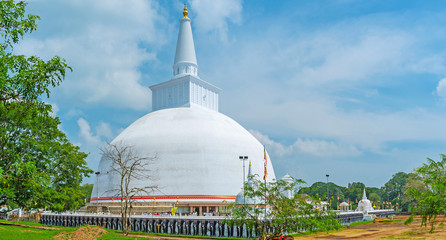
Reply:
x=391, y=195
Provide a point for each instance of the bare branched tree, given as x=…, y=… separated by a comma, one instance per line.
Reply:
x=130, y=166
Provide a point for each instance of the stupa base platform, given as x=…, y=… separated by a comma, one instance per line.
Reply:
x=195, y=208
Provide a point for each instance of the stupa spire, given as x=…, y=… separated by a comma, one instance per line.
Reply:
x=249, y=174
x=185, y=60
x=185, y=89
x=364, y=196
x=185, y=11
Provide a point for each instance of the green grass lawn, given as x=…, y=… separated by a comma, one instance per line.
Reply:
x=361, y=223
x=15, y=232
x=21, y=222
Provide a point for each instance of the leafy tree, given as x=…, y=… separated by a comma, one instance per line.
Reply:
x=393, y=192
x=39, y=167
x=393, y=189
x=86, y=190
x=319, y=189
x=430, y=199
x=414, y=181
x=282, y=214
x=374, y=197
x=355, y=191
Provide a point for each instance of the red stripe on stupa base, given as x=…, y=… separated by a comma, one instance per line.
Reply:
x=170, y=197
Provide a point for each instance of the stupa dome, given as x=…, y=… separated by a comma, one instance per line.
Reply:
x=364, y=205
x=197, y=154
x=196, y=148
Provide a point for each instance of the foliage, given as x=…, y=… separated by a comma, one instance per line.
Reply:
x=374, y=197
x=39, y=167
x=414, y=181
x=86, y=190
x=339, y=194
x=319, y=190
x=430, y=199
x=282, y=214
x=355, y=191
x=130, y=167
x=393, y=190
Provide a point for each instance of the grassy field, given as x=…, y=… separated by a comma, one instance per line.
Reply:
x=29, y=231
x=16, y=232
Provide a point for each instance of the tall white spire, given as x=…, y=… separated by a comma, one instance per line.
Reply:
x=185, y=60
x=185, y=89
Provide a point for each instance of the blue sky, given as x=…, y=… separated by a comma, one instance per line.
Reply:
x=355, y=89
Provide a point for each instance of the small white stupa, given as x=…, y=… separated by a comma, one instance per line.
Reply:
x=289, y=180
x=241, y=199
x=364, y=205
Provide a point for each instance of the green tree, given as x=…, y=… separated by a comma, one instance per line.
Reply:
x=282, y=214
x=39, y=167
x=393, y=189
x=393, y=192
x=414, y=181
x=430, y=199
x=86, y=190
x=318, y=190
x=374, y=197
x=355, y=192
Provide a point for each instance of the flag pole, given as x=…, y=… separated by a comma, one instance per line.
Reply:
x=264, y=179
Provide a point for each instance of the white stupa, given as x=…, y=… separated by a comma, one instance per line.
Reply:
x=197, y=148
x=364, y=205
x=241, y=199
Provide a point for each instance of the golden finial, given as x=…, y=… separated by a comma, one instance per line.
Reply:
x=185, y=11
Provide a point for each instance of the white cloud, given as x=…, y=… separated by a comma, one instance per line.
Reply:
x=86, y=134
x=215, y=15
x=298, y=87
x=73, y=113
x=324, y=148
x=311, y=147
x=55, y=109
x=103, y=47
x=441, y=89
x=90, y=143
x=374, y=52
x=104, y=130
x=273, y=147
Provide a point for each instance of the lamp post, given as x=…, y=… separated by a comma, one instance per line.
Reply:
x=97, y=185
x=243, y=159
x=328, y=198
